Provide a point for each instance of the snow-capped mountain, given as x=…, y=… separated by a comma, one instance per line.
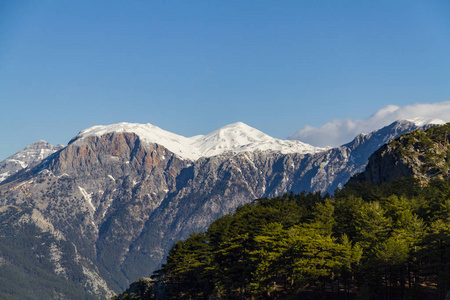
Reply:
x=115, y=199
x=239, y=137
x=234, y=138
x=29, y=156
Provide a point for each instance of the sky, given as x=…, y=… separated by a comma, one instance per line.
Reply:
x=287, y=68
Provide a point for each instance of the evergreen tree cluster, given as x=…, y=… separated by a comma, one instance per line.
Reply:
x=369, y=242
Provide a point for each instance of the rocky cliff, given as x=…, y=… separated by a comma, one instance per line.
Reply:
x=420, y=154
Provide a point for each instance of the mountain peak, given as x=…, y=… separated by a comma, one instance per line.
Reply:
x=239, y=133
x=28, y=156
x=237, y=125
x=421, y=121
x=239, y=137
x=233, y=138
x=241, y=129
x=148, y=133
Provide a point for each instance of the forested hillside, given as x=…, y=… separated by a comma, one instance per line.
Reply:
x=372, y=242
x=422, y=154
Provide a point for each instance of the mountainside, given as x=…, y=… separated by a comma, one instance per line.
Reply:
x=28, y=157
x=331, y=169
x=390, y=241
x=117, y=197
x=421, y=154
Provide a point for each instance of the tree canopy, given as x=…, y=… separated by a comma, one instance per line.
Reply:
x=381, y=242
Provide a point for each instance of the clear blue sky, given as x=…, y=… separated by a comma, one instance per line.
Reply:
x=191, y=67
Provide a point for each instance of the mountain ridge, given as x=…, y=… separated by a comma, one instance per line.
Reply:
x=233, y=138
x=123, y=202
x=421, y=154
x=29, y=156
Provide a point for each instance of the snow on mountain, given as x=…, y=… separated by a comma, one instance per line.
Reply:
x=149, y=133
x=239, y=137
x=426, y=121
x=30, y=155
x=233, y=138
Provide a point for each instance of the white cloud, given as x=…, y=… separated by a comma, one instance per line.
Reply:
x=338, y=132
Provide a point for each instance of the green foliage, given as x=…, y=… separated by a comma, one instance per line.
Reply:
x=140, y=289
x=388, y=241
x=188, y=262
x=269, y=248
x=427, y=151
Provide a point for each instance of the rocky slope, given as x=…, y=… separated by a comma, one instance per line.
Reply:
x=119, y=196
x=331, y=169
x=27, y=157
x=420, y=154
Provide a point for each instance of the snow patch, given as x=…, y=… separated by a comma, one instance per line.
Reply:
x=106, y=210
x=21, y=163
x=3, y=176
x=87, y=197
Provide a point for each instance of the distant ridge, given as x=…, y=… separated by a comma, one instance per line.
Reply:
x=29, y=156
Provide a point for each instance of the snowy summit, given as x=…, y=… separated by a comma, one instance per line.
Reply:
x=420, y=121
x=231, y=139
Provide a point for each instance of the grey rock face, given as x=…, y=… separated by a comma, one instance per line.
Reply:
x=27, y=157
x=329, y=170
x=98, y=194
x=123, y=203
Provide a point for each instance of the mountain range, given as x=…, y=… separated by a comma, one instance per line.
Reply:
x=104, y=210
x=27, y=157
